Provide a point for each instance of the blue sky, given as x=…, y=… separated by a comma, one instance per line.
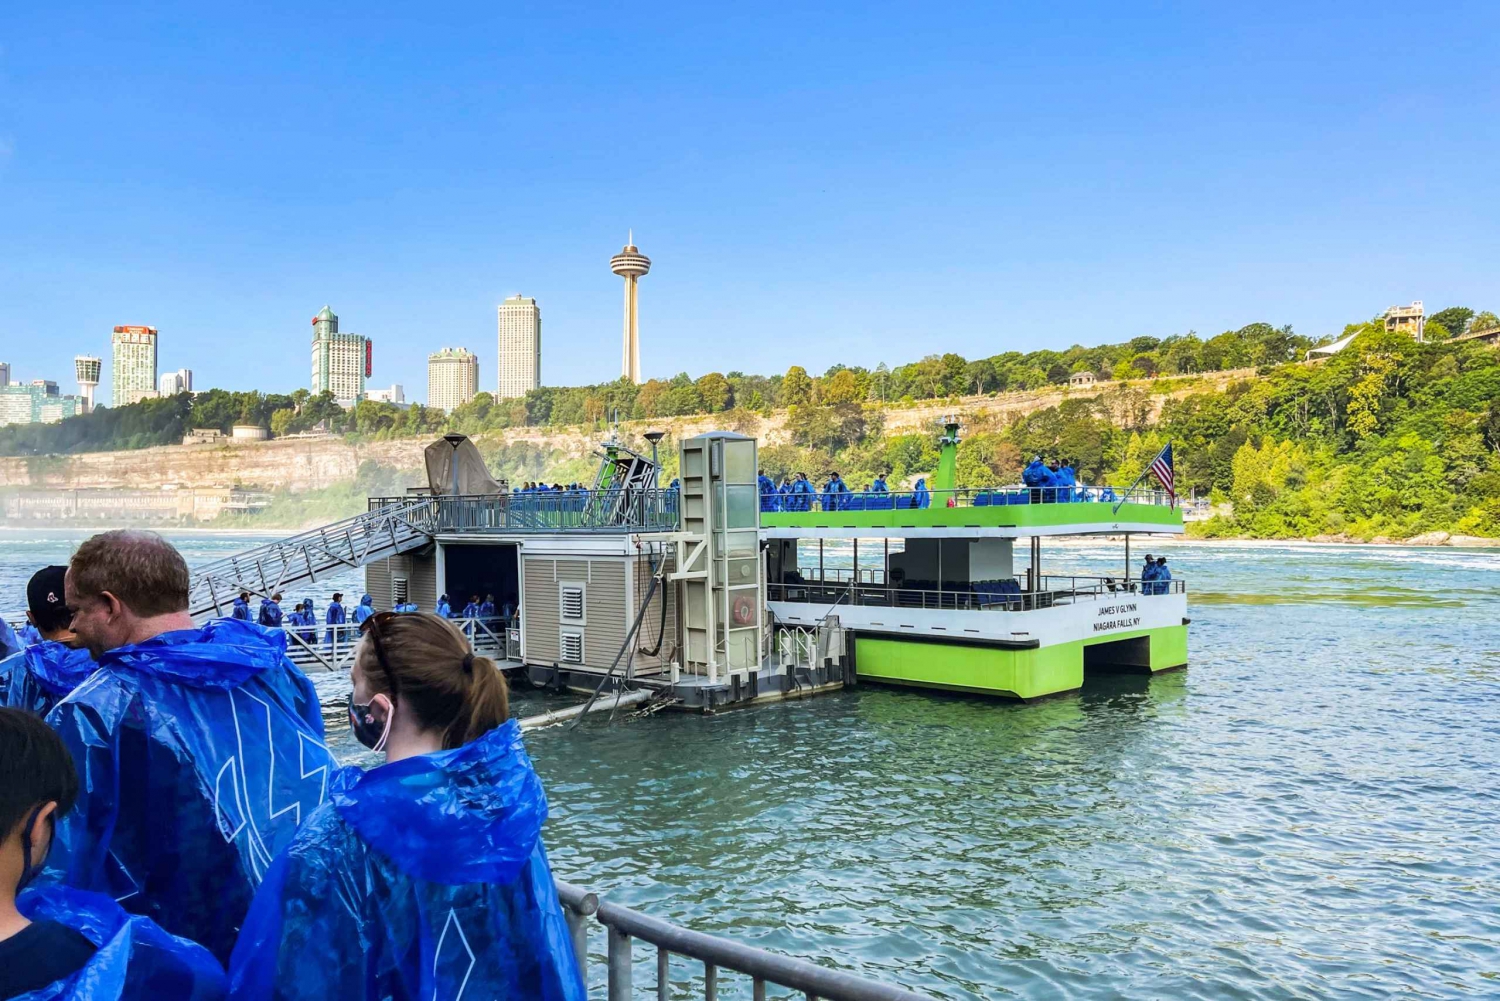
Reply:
x=815, y=183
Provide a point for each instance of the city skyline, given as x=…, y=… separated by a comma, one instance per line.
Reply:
x=833, y=188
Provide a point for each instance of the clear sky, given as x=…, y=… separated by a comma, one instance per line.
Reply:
x=815, y=183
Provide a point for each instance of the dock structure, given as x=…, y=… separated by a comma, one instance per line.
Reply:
x=709, y=594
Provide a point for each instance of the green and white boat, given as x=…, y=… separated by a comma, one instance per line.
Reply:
x=927, y=583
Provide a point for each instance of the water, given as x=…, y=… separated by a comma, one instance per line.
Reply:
x=1309, y=810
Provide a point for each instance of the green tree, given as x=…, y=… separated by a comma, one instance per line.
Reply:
x=796, y=387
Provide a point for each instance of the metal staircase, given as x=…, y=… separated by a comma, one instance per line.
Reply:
x=375, y=535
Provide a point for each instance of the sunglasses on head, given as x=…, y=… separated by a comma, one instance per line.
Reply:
x=373, y=627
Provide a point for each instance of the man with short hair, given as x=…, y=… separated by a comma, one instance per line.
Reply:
x=242, y=608
x=337, y=616
x=270, y=611
x=201, y=746
x=38, y=677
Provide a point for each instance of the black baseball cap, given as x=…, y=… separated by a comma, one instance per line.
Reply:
x=44, y=598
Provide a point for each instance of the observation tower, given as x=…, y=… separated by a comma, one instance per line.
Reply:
x=631, y=264
x=87, y=368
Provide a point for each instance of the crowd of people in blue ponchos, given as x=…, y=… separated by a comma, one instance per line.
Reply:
x=172, y=824
x=1054, y=483
x=338, y=617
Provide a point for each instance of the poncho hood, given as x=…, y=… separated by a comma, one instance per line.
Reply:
x=57, y=668
x=225, y=653
x=470, y=815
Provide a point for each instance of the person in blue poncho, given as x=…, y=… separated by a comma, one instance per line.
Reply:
x=201, y=747
x=471, y=610
x=303, y=615
x=767, y=492
x=241, y=609
x=1148, y=575
x=364, y=609
x=920, y=496
x=1066, y=480
x=802, y=493
x=270, y=611
x=424, y=877
x=835, y=493
x=336, y=615
x=1163, y=575
x=487, y=607
x=11, y=641
x=37, y=677
x=444, y=609
x=1035, y=474
x=61, y=944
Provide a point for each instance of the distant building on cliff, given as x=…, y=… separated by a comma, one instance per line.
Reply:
x=172, y=383
x=452, y=378
x=132, y=365
x=394, y=393
x=36, y=402
x=340, y=362
x=519, y=363
x=1408, y=319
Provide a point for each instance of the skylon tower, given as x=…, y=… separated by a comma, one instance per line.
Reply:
x=631, y=264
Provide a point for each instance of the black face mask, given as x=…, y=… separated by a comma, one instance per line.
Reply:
x=29, y=871
x=366, y=730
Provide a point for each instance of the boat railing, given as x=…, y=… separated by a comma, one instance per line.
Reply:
x=1005, y=594
x=998, y=496
x=616, y=509
x=331, y=647
x=624, y=925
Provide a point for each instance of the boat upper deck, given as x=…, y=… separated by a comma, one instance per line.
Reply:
x=999, y=512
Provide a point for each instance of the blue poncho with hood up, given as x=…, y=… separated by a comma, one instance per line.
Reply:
x=38, y=677
x=424, y=878
x=199, y=753
x=135, y=961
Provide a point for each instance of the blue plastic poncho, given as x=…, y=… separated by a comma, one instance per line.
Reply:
x=920, y=496
x=199, y=751
x=136, y=961
x=37, y=678
x=486, y=609
x=424, y=878
x=767, y=488
x=1035, y=474
x=241, y=610
x=9, y=642
x=364, y=609
x=444, y=610
x=471, y=611
x=270, y=613
x=28, y=634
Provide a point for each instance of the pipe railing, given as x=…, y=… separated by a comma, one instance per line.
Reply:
x=997, y=496
x=625, y=925
x=616, y=509
x=984, y=596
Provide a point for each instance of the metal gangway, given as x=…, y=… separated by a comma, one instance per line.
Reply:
x=389, y=530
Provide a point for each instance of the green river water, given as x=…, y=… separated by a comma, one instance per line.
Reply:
x=1308, y=810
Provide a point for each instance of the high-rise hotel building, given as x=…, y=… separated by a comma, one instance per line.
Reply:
x=452, y=378
x=340, y=362
x=520, y=364
x=133, y=365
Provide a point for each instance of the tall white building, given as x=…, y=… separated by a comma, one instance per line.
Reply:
x=172, y=383
x=453, y=377
x=520, y=360
x=133, y=365
x=86, y=368
x=4, y=374
x=340, y=362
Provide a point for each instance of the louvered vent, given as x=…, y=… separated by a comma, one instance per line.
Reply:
x=399, y=591
x=571, y=603
x=572, y=648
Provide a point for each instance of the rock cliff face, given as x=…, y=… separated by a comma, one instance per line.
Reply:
x=311, y=464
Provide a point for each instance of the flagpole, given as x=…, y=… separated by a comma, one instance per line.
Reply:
x=1138, y=479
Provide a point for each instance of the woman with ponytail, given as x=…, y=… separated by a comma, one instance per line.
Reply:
x=424, y=877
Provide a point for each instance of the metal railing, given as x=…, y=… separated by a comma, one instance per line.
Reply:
x=625, y=925
x=332, y=647
x=388, y=529
x=1012, y=595
x=623, y=509
x=1001, y=496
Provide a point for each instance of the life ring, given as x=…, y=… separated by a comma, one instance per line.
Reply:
x=742, y=611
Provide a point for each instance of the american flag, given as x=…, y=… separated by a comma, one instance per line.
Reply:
x=1161, y=468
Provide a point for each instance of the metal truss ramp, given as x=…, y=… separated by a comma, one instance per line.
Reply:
x=367, y=538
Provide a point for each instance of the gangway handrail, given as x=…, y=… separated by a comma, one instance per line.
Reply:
x=624, y=925
x=377, y=534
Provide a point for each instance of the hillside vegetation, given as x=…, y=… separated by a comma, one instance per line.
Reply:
x=1387, y=438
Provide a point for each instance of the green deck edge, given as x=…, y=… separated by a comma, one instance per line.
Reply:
x=987, y=670
x=1005, y=516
